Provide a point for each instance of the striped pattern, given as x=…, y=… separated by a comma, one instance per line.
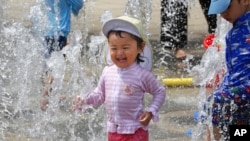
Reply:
x=122, y=91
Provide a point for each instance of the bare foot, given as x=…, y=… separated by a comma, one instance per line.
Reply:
x=180, y=53
x=180, y=56
x=44, y=104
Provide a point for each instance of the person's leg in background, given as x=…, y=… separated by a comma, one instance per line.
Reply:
x=174, y=25
x=173, y=34
x=62, y=42
x=52, y=45
x=211, y=19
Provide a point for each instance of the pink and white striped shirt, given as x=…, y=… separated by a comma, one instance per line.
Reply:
x=122, y=91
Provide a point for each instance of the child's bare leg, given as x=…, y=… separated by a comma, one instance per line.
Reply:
x=216, y=132
x=47, y=89
x=208, y=134
x=44, y=104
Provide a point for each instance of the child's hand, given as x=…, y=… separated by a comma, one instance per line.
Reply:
x=77, y=104
x=145, y=118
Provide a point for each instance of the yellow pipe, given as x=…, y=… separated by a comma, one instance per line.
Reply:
x=177, y=81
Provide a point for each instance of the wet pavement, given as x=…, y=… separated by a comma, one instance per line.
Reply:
x=177, y=113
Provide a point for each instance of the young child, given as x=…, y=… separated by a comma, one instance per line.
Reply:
x=122, y=85
x=231, y=104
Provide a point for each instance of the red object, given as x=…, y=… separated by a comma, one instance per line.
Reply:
x=248, y=40
x=208, y=40
x=216, y=81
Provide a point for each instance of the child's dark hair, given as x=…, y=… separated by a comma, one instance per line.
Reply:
x=138, y=39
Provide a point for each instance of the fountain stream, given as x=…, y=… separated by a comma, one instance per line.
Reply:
x=22, y=72
x=212, y=65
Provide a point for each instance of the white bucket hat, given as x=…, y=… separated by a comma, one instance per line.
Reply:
x=132, y=26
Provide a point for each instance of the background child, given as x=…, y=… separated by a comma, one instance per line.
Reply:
x=56, y=36
x=123, y=84
x=231, y=104
x=59, y=16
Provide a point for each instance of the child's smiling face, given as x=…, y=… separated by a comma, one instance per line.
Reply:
x=123, y=49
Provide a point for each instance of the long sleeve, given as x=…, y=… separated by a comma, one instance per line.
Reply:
x=158, y=92
x=122, y=91
x=97, y=97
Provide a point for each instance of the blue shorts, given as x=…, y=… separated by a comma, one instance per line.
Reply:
x=54, y=45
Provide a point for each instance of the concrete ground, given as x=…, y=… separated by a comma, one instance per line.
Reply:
x=197, y=26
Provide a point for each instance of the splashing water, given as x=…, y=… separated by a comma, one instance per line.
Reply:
x=22, y=72
x=22, y=75
x=140, y=9
x=21, y=84
x=210, y=67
